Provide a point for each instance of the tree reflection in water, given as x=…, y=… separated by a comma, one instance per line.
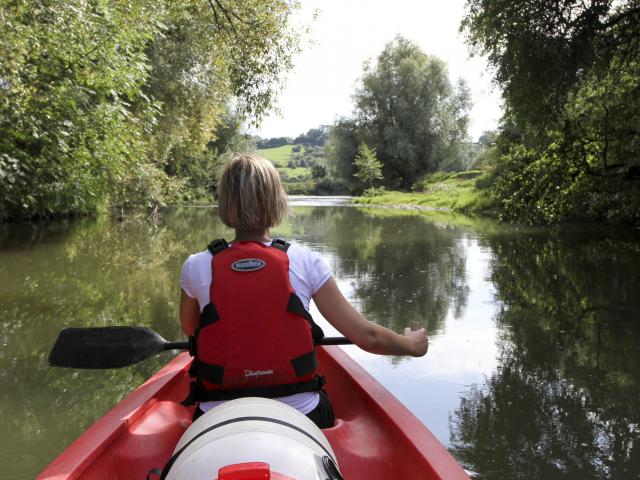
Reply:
x=403, y=267
x=99, y=273
x=564, y=401
x=562, y=404
x=81, y=273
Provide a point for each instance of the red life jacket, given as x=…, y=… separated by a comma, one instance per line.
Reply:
x=255, y=337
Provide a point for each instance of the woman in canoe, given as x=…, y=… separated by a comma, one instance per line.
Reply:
x=245, y=305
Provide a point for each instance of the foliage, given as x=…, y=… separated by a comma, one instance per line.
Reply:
x=568, y=346
x=67, y=127
x=273, y=142
x=440, y=191
x=102, y=99
x=487, y=138
x=329, y=186
x=318, y=171
x=314, y=137
x=298, y=185
x=304, y=172
x=368, y=167
x=570, y=74
x=147, y=187
x=200, y=172
x=545, y=188
x=409, y=113
x=340, y=150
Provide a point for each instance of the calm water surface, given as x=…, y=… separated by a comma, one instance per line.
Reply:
x=533, y=370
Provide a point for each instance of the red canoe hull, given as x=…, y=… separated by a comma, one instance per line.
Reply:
x=375, y=436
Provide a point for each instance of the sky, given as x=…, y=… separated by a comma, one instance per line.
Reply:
x=346, y=33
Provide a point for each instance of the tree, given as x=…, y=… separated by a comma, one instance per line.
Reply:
x=341, y=148
x=71, y=72
x=315, y=136
x=409, y=112
x=368, y=167
x=570, y=76
x=210, y=54
x=487, y=138
x=540, y=50
x=200, y=171
x=318, y=171
x=273, y=142
x=99, y=99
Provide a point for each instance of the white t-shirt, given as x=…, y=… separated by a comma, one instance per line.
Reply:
x=307, y=273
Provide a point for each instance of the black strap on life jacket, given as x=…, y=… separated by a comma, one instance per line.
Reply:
x=217, y=245
x=295, y=306
x=197, y=392
x=302, y=365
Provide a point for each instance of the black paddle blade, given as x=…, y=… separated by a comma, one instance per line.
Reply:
x=104, y=347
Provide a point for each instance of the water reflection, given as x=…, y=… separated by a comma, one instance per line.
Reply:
x=404, y=269
x=82, y=273
x=533, y=369
x=564, y=401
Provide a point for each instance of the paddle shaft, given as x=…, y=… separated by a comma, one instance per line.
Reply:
x=324, y=341
x=115, y=347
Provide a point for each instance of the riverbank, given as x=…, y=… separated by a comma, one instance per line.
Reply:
x=458, y=192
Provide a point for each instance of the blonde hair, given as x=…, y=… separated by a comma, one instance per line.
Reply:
x=250, y=195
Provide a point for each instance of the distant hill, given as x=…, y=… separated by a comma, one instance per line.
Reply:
x=280, y=156
x=302, y=168
x=294, y=170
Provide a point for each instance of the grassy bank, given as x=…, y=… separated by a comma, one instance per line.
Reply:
x=462, y=192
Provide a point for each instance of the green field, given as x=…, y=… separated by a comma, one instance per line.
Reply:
x=280, y=157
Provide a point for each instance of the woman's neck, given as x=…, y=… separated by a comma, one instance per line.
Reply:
x=252, y=235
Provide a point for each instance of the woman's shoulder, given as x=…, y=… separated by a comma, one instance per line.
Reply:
x=199, y=257
x=301, y=251
x=305, y=257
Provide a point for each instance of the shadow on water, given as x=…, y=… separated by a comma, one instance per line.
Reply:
x=563, y=402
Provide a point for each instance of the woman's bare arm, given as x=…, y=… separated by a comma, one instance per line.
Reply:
x=189, y=313
x=367, y=335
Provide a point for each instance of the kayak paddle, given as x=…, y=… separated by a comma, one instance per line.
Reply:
x=115, y=347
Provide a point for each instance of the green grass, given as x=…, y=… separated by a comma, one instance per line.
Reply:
x=455, y=191
x=295, y=172
x=280, y=156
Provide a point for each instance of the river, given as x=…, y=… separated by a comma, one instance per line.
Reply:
x=533, y=370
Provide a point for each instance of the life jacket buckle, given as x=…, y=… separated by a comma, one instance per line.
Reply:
x=280, y=244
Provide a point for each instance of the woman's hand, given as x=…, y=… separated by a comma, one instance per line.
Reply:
x=419, y=341
x=367, y=335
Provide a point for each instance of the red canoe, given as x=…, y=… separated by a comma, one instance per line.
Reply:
x=375, y=436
